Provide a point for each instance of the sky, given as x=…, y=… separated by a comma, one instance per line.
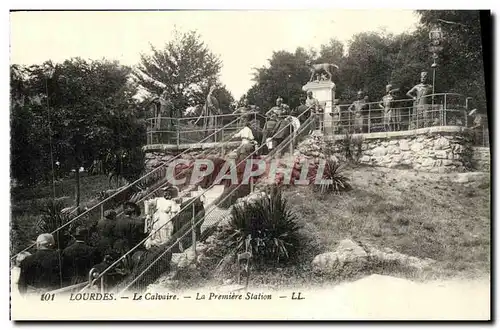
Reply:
x=243, y=39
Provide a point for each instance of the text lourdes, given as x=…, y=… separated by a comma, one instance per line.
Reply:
x=234, y=296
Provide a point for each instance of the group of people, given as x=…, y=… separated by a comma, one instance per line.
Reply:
x=97, y=247
x=280, y=122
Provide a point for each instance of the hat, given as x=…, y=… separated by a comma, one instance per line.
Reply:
x=279, y=99
x=423, y=74
x=110, y=214
x=137, y=209
x=81, y=233
x=45, y=241
x=172, y=189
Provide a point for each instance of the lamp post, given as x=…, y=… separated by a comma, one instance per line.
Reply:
x=436, y=37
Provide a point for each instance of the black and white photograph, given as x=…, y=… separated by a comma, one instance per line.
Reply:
x=320, y=164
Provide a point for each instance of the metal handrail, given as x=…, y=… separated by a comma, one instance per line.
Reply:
x=123, y=189
x=210, y=208
x=185, y=207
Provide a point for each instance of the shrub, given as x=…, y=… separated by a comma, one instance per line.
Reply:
x=51, y=219
x=338, y=181
x=269, y=227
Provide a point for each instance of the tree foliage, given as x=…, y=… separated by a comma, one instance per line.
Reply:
x=186, y=68
x=84, y=109
x=374, y=59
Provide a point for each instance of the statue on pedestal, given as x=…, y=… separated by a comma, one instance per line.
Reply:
x=357, y=108
x=317, y=69
x=420, y=105
x=391, y=115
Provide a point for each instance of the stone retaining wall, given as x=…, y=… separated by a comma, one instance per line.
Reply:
x=155, y=155
x=434, y=149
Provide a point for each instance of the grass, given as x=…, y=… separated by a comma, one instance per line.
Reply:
x=419, y=214
x=426, y=218
x=26, y=203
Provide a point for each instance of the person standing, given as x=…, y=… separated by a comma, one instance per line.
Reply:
x=41, y=271
x=160, y=224
x=78, y=258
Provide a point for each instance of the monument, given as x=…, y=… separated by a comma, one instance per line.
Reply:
x=323, y=89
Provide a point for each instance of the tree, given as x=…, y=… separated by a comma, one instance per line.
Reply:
x=92, y=111
x=185, y=67
x=461, y=67
x=285, y=76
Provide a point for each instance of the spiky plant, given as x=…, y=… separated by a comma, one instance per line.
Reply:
x=337, y=181
x=269, y=226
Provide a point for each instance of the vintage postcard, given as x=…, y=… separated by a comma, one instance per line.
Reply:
x=325, y=164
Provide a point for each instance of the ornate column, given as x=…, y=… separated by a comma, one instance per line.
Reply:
x=324, y=92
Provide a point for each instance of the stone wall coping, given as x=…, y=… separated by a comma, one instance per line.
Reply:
x=185, y=146
x=409, y=133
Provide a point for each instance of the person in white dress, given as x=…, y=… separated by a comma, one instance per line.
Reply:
x=160, y=212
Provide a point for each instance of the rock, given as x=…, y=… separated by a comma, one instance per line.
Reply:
x=470, y=177
x=447, y=162
x=392, y=150
x=397, y=158
x=403, y=145
x=365, y=159
x=428, y=162
x=416, y=147
x=441, y=154
x=379, y=151
x=347, y=251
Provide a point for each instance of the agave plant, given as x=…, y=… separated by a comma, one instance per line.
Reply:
x=269, y=226
x=337, y=181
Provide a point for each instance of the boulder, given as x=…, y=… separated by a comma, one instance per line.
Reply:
x=347, y=251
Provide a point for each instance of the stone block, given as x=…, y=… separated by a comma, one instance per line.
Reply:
x=416, y=146
x=379, y=151
x=441, y=154
x=403, y=145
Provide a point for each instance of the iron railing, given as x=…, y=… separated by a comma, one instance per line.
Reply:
x=176, y=131
x=153, y=180
x=211, y=215
x=440, y=109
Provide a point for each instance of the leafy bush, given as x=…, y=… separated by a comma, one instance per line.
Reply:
x=51, y=219
x=269, y=226
x=338, y=181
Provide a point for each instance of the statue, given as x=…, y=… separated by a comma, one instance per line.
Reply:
x=161, y=106
x=356, y=108
x=419, y=99
x=209, y=112
x=317, y=69
x=391, y=115
x=335, y=116
x=275, y=120
x=245, y=110
x=312, y=104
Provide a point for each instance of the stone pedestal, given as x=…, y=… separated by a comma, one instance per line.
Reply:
x=324, y=92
